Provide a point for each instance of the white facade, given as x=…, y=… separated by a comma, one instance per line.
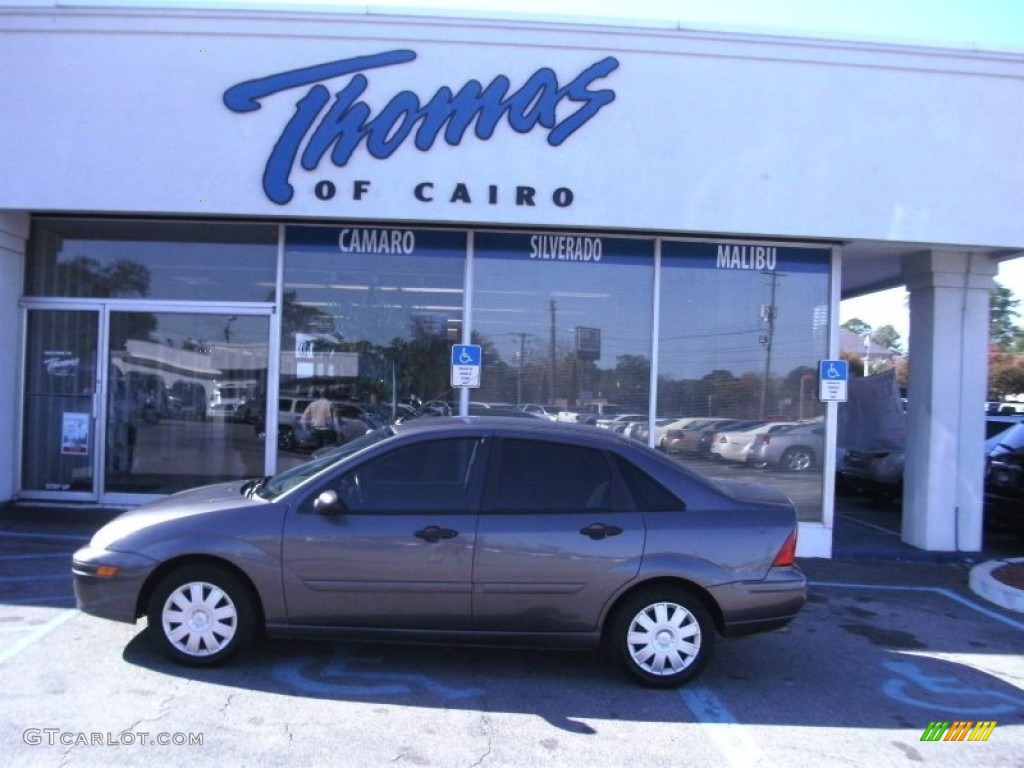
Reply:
x=884, y=151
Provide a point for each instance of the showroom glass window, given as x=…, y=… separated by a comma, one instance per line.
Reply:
x=369, y=316
x=159, y=260
x=743, y=326
x=159, y=400
x=563, y=319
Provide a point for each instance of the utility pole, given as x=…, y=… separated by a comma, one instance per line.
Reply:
x=554, y=362
x=519, y=367
x=768, y=314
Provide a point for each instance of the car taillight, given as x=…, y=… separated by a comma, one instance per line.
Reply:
x=674, y=434
x=787, y=554
x=765, y=439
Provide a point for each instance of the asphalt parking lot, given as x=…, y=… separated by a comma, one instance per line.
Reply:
x=882, y=650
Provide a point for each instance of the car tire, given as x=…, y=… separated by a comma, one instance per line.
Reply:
x=662, y=637
x=797, y=459
x=202, y=615
x=286, y=439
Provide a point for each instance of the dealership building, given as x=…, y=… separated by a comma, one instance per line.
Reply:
x=204, y=212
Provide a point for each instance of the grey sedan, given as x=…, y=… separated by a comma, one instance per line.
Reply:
x=517, y=531
x=798, y=448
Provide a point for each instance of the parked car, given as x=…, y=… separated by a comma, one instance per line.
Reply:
x=640, y=430
x=590, y=413
x=1004, y=481
x=679, y=422
x=709, y=436
x=733, y=444
x=879, y=474
x=545, y=411
x=798, y=448
x=187, y=400
x=620, y=421
x=463, y=529
x=685, y=439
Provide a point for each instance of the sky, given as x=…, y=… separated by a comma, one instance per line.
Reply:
x=987, y=25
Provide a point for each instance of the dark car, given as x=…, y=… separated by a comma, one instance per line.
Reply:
x=879, y=474
x=1004, y=481
x=518, y=531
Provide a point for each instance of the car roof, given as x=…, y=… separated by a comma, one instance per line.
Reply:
x=471, y=423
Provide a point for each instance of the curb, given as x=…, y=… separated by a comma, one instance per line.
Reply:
x=984, y=585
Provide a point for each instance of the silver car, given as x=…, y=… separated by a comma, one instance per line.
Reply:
x=798, y=448
x=519, y=531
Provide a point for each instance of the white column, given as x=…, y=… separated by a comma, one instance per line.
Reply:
x=947, y=385
x=13, y=234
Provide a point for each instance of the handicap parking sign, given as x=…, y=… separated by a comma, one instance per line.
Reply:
x=833, y=380
x=467, y=360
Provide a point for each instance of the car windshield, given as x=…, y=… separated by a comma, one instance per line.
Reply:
x=282, y=483
x=1010, y=441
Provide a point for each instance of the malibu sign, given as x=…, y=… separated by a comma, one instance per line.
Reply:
x=339, y=125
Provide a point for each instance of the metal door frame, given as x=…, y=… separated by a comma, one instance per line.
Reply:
x=98, y=424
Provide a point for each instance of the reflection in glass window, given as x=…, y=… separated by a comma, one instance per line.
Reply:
x=370, y=314
x=564, y=320
x=742, y=329
x=167, y=260
x=185, y=393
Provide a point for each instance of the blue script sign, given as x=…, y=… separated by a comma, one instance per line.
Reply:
x=320, y=124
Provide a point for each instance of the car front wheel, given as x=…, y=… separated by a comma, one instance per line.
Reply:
x=663, y=637
x=201, y=615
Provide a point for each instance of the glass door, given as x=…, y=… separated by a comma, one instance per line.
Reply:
x=61, y=404
x=122, y=406
x=186, y=399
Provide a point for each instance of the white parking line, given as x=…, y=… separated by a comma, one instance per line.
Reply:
x=35, y=634
x=721, y=727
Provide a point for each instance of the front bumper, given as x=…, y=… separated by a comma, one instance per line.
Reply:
x=110, y=597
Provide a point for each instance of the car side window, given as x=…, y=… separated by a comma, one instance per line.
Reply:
x=537, y=476
x=648, y=494
x=432, y=476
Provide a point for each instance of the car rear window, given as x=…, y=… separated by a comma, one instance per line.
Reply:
x=648, y=494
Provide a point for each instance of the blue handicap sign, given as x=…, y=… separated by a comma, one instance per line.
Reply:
x=467, y=354
x=834, y=370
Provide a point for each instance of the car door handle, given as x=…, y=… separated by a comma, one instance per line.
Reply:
x=600, y=531
x=434, y=533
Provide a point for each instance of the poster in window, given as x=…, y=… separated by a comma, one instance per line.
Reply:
x=75, y=436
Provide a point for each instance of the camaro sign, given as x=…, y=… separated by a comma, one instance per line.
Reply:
x=337, y=120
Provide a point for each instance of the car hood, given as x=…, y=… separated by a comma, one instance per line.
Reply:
x=196, y=502
x=755, y=492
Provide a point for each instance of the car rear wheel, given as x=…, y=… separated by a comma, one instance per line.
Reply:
x=798, y=459
x=201, y=615
x=662, y=637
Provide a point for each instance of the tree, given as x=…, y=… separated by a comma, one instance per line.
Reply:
x=887, y=337
x=857, y=325
x=1004, y=334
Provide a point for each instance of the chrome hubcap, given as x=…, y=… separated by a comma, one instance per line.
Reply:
x=199, y=618
x=664, y=639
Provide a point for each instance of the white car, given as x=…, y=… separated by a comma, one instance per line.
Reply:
x=734, y=446
x=674, y=424
x=619, y=422
x=549, y=412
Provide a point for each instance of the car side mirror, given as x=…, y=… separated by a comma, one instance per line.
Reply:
x=328, y=503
